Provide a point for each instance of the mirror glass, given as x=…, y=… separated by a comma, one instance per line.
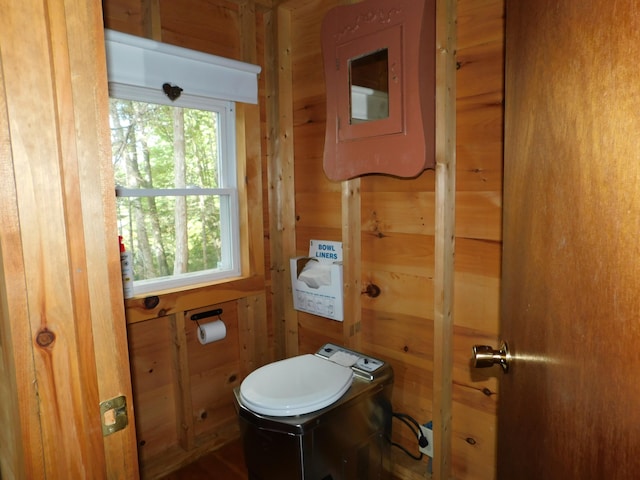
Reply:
x=369, y=86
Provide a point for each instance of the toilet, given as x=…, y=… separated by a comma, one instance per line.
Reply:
x=324, y=416
x=295, y=386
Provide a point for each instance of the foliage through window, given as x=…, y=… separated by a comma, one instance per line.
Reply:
x=177, y=204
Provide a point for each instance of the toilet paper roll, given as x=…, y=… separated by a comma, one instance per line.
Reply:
x=212, y=332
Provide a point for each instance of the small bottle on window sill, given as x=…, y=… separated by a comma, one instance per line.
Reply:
x=126, y=264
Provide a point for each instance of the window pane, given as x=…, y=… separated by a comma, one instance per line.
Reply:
x=175, y=239
x=148, y=226
x=160, y=146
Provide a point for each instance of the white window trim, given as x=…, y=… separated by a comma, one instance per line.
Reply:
x=146, y=63
x=138, y=67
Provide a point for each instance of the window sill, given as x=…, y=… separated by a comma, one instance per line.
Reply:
x=139, y=309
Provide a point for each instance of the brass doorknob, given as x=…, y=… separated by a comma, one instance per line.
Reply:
x=485, y=356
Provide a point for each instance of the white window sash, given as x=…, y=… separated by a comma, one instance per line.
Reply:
x=173, y=192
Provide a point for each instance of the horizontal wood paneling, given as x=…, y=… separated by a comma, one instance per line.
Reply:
x=124, y=16
x=478, y=231
x=396, y=244
x=399, y=252
x=212, y=27
x=399, y=212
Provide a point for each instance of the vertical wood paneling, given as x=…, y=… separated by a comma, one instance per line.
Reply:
x=67, y=291
x=19, y=437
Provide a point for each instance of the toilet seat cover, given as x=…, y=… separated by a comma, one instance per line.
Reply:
x=295, y=386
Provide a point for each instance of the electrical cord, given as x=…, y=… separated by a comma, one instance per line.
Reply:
x=408, y=420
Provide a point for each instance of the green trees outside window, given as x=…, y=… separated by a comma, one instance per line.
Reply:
x=175, y=200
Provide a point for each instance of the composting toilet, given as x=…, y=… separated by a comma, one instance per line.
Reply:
x=322, y=416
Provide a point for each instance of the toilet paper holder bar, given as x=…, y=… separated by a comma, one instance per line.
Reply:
x=209, y=313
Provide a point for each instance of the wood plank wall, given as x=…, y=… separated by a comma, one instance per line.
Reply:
x=397, y=234
x=396, y=239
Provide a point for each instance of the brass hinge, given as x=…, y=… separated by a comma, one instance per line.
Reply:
x=114, y=415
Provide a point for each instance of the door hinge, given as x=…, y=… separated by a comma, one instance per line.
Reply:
x=114, y=415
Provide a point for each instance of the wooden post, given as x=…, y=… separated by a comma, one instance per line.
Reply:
x=352, y=262
x=182, y=382
x=282, y=190
x=444, y=235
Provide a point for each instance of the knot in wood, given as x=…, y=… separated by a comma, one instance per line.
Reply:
x=45, y=338
x=151, y=302
x=372, y=290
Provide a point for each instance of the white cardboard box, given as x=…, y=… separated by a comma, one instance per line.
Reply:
x=316, y=280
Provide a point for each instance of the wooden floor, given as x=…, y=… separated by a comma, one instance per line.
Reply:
x=227, y=463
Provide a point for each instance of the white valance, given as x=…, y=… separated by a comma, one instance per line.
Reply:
x=141, y=62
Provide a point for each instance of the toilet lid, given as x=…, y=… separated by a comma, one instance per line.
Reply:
x=295, y=386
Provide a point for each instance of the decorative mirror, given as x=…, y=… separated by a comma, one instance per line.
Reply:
x=379, y=61
x=369, y=83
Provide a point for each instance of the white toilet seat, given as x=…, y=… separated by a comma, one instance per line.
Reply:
x=295, y=386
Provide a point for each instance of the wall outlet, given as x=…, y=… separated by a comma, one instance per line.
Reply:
x=427, y=431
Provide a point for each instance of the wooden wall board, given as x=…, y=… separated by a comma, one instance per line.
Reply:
x=480, y=22
x=317, y=211
x=315, y=331
x=408, y=254
x=479, y=68
x=399, y=338
x=479, y=215
x=125, y=16
x=19, y=412
x=211, y=27
x=480, y=86
x=180, y=301
x=400, y=293
x=153, y=389
x=399, y=212
x=473, y=441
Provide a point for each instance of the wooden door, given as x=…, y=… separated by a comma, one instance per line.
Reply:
x=569, y=408
x=63, y=347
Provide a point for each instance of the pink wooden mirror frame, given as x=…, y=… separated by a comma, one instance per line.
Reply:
x=403, y=144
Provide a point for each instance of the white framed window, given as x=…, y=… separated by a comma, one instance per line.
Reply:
x=174, y=160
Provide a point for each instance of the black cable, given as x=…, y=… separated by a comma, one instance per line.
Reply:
x=408, y=420
x=422, y=440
